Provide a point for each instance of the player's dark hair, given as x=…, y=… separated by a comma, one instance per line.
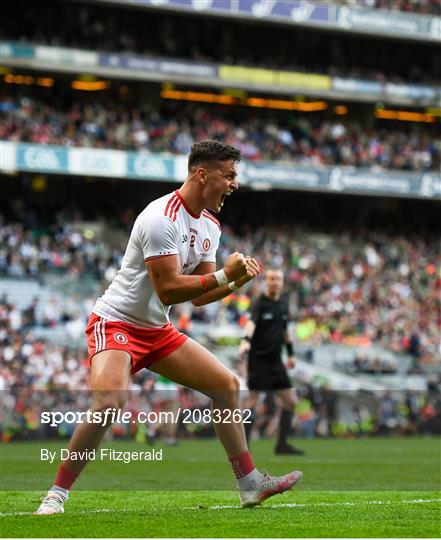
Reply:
x=207, y=151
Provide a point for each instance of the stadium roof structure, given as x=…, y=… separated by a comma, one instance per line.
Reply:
x=148, y=68
x=323, y=15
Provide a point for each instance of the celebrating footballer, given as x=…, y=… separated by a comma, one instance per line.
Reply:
x=170, y=258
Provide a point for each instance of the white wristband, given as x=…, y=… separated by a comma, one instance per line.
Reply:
x=233, y=287
x=221, y=277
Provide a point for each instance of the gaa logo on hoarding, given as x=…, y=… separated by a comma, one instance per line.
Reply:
x=120, y=338
x=96, y=162
x=150, y=166
x=41, y=159
x=206, y=244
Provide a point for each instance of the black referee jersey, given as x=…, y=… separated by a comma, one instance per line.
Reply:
x=271, y=320
x=265, y=367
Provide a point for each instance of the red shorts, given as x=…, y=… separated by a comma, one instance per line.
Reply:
x=145, y=345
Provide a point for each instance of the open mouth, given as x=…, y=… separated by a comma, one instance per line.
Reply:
x=224, y=196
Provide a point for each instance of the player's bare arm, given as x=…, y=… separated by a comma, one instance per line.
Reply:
x=174, y=288
x=253, y=270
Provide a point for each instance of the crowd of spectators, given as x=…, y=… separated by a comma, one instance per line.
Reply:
x=306, y=141
x=353, y=289
x=344, y=288
x=421, y=7
x=368, y=365
x=29, y=361
x=30, y=253
x=152, y=33
x=37, y=376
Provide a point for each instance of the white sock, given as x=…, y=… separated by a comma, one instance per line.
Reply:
x=250, y=480
x=64, y=493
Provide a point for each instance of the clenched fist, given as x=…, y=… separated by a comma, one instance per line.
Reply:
x=253, y=270
x=236, y=266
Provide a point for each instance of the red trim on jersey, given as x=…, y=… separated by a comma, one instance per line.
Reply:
x=176, y=210
x=192, y=214
x=210, y=216
x=172, y=198
x=172, y=207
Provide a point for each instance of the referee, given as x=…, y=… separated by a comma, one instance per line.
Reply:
x=265, y=333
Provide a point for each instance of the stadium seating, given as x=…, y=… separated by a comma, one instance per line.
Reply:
x=104, y=123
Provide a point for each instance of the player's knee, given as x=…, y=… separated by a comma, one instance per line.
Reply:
x=227, y=385
x=224, y=387
x=109, y=400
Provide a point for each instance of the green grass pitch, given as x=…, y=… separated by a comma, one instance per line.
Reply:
x=351, y=488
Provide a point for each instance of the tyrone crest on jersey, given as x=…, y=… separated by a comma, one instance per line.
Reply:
x=206, y=244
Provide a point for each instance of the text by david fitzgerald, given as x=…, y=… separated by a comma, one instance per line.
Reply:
x=102, y=454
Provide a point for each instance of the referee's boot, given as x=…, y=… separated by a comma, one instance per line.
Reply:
x=287, y=449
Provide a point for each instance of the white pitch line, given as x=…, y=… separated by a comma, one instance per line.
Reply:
x=236, y=506
x=101, y=511
x=301, y=505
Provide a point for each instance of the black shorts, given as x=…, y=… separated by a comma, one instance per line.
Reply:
x=267, y=376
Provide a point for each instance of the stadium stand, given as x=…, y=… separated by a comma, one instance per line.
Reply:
x=346, y=287
x=115, y=29
x=364, y=291
x=423, y=7
x=105, y=123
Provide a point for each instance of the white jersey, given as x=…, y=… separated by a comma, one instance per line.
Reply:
x=165, y=227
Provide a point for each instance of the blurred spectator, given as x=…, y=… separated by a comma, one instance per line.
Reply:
x=105, y=124
x=352, y=289
x=422, y=7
